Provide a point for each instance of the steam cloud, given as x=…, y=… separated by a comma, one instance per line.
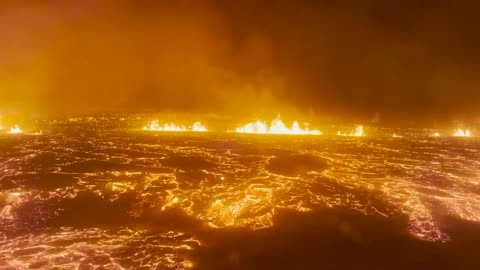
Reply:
x=346, y=57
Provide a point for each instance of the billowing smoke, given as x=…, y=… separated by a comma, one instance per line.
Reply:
x=398, y=58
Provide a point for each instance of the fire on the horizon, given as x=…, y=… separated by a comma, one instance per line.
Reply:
x=462, y=133
x=358, y=132
x=155, y=126
x=15, y=130
x=277, y=127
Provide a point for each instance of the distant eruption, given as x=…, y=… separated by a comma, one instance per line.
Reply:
x=154, y=126
x=277, y=127
x=15, y=130
x=462, y=133
x=358, y=132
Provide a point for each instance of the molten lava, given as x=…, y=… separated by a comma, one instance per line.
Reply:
x=462, y=133
x=358, y=132
x=15, y=130
x=277, y=127
x=154, y=126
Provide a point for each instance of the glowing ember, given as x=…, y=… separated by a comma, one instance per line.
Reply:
x=15, y=130
x=358, y=132
x=462, y=133
x=277, y=127
x=154, y=126
x=436, y=134
x=396, y=136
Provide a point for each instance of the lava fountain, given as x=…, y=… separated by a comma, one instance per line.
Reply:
x=358, y=132
x=154, y=126
x=277, y=127
x=15, y=130
x=462, y=133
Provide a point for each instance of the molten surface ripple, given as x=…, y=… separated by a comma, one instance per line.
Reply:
x=98, y=193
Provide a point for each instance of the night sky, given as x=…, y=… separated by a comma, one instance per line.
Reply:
x=398, y=58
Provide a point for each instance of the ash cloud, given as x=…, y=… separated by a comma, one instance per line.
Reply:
x=399, y=58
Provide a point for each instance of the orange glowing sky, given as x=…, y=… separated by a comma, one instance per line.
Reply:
x=400, y=58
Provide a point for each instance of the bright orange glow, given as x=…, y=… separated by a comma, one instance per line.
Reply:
x=154, y=126
x=197, y=126
x=15, y=130
x=358, y=132
x=396, y=136
x=277, y=127
x=462, y=133
x=436, y=134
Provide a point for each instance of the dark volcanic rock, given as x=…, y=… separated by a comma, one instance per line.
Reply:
x=293, y=165
x=188, y=163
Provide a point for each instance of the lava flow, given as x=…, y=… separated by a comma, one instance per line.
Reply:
x=56, y=205
x=277, y=127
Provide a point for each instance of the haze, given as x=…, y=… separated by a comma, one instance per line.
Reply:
x=400, y=59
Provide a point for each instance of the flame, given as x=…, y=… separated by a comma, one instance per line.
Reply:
x=436, y=134
x=198, y=127
x=15, y=130
x=277, y=127
x=358, y=132
x=462, y=133
x=253, y=127
x=154, y=126
x=396, y=136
